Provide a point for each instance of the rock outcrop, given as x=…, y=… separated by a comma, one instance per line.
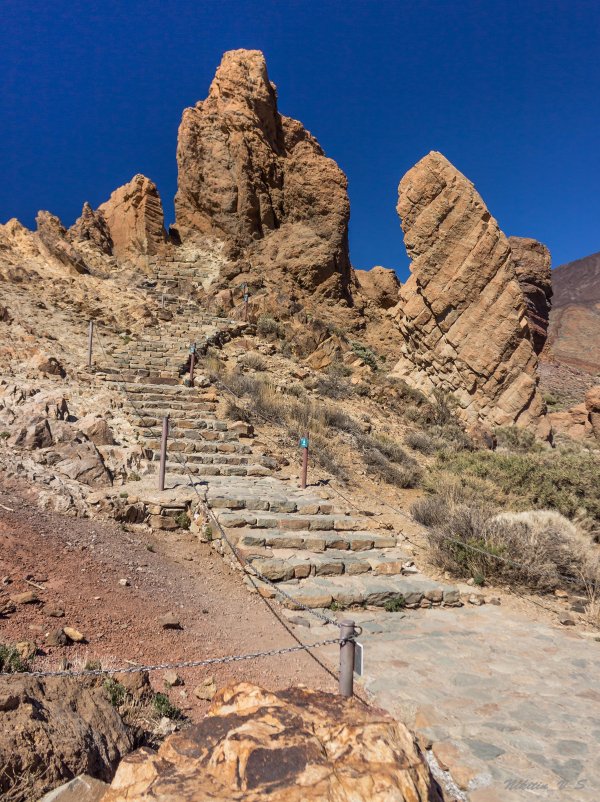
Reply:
x=462, y=314
x=293, y=746
x=92, y=227
x=53, y=236
x=135, y=220
x=259, y=180
x=380, y=285
x=532, y=266
x=53, y=729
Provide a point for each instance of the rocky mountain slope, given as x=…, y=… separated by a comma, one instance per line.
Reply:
x=574, y=336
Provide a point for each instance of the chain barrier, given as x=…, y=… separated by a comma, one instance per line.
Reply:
x=211, y=661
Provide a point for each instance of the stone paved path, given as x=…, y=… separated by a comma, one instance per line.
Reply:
x=509, y=705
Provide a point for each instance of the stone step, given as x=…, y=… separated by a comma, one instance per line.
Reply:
x=281, y=565
x=313, y=540
x=288, y=522
x=368, y=590
x=216, y=470
x=238, y=499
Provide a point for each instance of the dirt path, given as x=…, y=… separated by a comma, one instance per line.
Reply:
x=80, y=563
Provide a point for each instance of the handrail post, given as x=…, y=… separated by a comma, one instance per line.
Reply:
x=304, y=446
x=163, y=453
x=90, y=342
x=192, y=363
x=347, y=647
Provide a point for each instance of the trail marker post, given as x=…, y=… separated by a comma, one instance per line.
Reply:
x=90, y=343
x=347, y=648
x=304, y=447
x=246, y=296
x=163, y=453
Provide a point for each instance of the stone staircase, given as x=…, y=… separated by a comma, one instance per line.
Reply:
x=298, y=539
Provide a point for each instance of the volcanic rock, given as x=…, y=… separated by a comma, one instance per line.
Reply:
x=92, y=227
x=592, y=404
x=261, y=182
x=53, y=236
x=134, y=217
x=380, y=285
x=296, y=745
x=532, y=266
x=462, y=313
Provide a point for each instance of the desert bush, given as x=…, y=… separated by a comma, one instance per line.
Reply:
x=116, y=692
x=163, y=706
x=561, y=480
x=538, y=549
x=366, y=354
x=332, y=387
x=267, y=326
x=253, y=360
x=515, y=438
x=421, y=442
x=11, y=661
x=235, y=411
x=430, y=510
x=405, y=474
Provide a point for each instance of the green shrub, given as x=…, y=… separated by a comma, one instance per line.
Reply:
x=116, y=692
x=267, y=326
x=182, y=520
x=163, y=706
x=366, y=354
x=420, y=442
x=11, y=661
x=92, y=665
x=516, y=439
x=4, y=435
x=395, y=604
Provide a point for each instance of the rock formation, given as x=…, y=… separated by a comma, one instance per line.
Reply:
x=574, y=335
x=462, y=314
x=92, y=227
x=135, y=220
x=259, y=180
x=532, y=266
x=293, y=746
x=53, y=236
x=380, y=285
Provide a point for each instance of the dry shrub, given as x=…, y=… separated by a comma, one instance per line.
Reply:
x=537, y=549
x=421, y=442
x=253, y=360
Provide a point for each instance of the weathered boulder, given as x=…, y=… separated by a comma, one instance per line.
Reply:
x=573, y=422
x=92, y=227
x=260, y=181
x=135, y=220
x=532, y=267
x=293, y=746
x=53, y=236
x=462, y=315
x=380, y=285
x=53, y=729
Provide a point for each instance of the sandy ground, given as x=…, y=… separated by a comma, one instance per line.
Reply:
x=80, y=563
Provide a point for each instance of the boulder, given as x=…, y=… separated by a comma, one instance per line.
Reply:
x=54, y=729
x=261, y=182
x=97, y=429
x=462, y=316
x=572, y=422
x=135, y=221
x=292, y=746
x=380, y=285
x=532, y=267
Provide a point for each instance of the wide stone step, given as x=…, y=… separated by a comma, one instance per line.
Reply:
x=190, y=447
x=285, y=564
x=313, y=540
x=216, y=470
x=368, y=590
x=236, y=499
x=289, y=522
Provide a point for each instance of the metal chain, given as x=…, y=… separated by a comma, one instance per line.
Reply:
x=164, y=666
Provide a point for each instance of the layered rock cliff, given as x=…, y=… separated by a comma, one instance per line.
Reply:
x=462, y=314
x=532, y=267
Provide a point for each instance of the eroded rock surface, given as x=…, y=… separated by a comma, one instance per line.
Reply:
x=532, y=266
x=92, y=227
x=380, y=285
x=258, y=179
x=462, y=314
x=293, y=746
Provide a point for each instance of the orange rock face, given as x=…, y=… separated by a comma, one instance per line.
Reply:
x=259, y=180
x=462, y=314
x=380, y=285
x=293, y=746
x=135, y=221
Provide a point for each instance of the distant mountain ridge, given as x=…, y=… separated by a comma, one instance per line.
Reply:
x=574, y=333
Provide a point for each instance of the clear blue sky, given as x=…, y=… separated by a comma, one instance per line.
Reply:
x=92, y=93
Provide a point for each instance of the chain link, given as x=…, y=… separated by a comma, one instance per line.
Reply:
x=164, y=666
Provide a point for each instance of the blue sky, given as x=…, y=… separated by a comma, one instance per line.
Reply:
x=92, y=93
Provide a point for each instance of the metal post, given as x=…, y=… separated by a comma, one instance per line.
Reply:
x=163, y=300
x=304, y=444
x=163, y=453
x=192, y=362
x=347, y=633
x=246, y=296
x=90, y=341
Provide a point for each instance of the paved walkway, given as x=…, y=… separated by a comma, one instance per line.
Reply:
x=509, y=705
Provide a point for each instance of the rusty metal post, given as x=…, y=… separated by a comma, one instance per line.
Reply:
x=304, y=447
x=90, y=342
x=163, y=453
x=347, y=633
